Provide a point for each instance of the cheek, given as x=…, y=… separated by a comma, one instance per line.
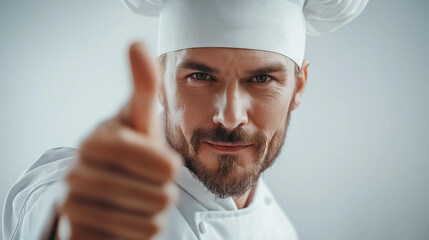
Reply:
x=195, y=106
x=269, y=112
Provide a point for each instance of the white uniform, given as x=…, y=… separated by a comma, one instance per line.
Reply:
x=32, y=203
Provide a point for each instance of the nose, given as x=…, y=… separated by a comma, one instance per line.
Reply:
x=231, y=109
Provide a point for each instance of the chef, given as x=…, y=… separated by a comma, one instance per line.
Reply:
x=228, y=75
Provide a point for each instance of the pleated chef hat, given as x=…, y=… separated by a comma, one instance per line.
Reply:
x=272, y=25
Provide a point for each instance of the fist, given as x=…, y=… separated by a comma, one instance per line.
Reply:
x=123, y=179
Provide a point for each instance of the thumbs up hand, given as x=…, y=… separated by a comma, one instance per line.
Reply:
x=123, y=179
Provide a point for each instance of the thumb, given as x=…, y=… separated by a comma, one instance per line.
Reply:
x=142, y=109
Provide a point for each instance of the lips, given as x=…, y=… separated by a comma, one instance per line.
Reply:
x=228, y=147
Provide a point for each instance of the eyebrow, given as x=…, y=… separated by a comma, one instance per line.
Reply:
x=271, y=68
x=190, y=64
x=198, y=66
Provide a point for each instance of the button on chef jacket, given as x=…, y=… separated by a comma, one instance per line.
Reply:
x=32, y=203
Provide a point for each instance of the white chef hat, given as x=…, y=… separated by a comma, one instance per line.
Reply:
x=272, y=25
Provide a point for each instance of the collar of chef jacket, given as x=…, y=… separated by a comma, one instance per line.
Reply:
x=213, y=218
x=210, y=217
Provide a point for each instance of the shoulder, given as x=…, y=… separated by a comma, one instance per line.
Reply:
x=31, y=201
x=52, y=156
x=51, y=166
x=49, y=170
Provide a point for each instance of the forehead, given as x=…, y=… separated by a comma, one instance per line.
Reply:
x=224, y=58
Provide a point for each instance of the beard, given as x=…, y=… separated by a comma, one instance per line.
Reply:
x=229, y=179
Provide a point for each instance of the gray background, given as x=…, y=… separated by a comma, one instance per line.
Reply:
x=356, y=156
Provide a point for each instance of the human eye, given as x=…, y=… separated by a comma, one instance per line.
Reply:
x=262, y=78
x=200, y=76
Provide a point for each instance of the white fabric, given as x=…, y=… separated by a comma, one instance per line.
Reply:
x=32, y=204
x=272, y=25
x=324, y=16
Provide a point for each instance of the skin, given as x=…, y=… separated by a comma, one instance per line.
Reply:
x=226, y=94
x=122, y=182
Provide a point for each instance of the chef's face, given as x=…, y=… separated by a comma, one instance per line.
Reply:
x=226, y=111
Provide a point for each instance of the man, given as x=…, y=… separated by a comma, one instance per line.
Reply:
x=228, y=75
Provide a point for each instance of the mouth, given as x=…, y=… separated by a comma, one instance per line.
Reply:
x=228, y=147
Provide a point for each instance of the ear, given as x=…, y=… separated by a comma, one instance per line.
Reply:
x=161, y=94
x=161, y=90
x=300, y=84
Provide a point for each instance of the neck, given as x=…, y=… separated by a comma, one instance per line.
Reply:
x=244, y=200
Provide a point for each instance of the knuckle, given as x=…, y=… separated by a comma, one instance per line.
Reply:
x=87, y=148
x=163, y=201
x=121, y=136
x=175, y=162
x=72, y=177
x=70, y=207
x=153, y=228
x=164, y=165
x=86, y=144
x=169, y=171
x=76, y=176
x=99, y=137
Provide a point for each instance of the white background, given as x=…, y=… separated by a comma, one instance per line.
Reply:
x=355, y=160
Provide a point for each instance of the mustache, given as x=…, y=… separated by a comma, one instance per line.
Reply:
x=221, y=135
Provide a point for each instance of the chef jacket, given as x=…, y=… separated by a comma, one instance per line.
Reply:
x=33, y=201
